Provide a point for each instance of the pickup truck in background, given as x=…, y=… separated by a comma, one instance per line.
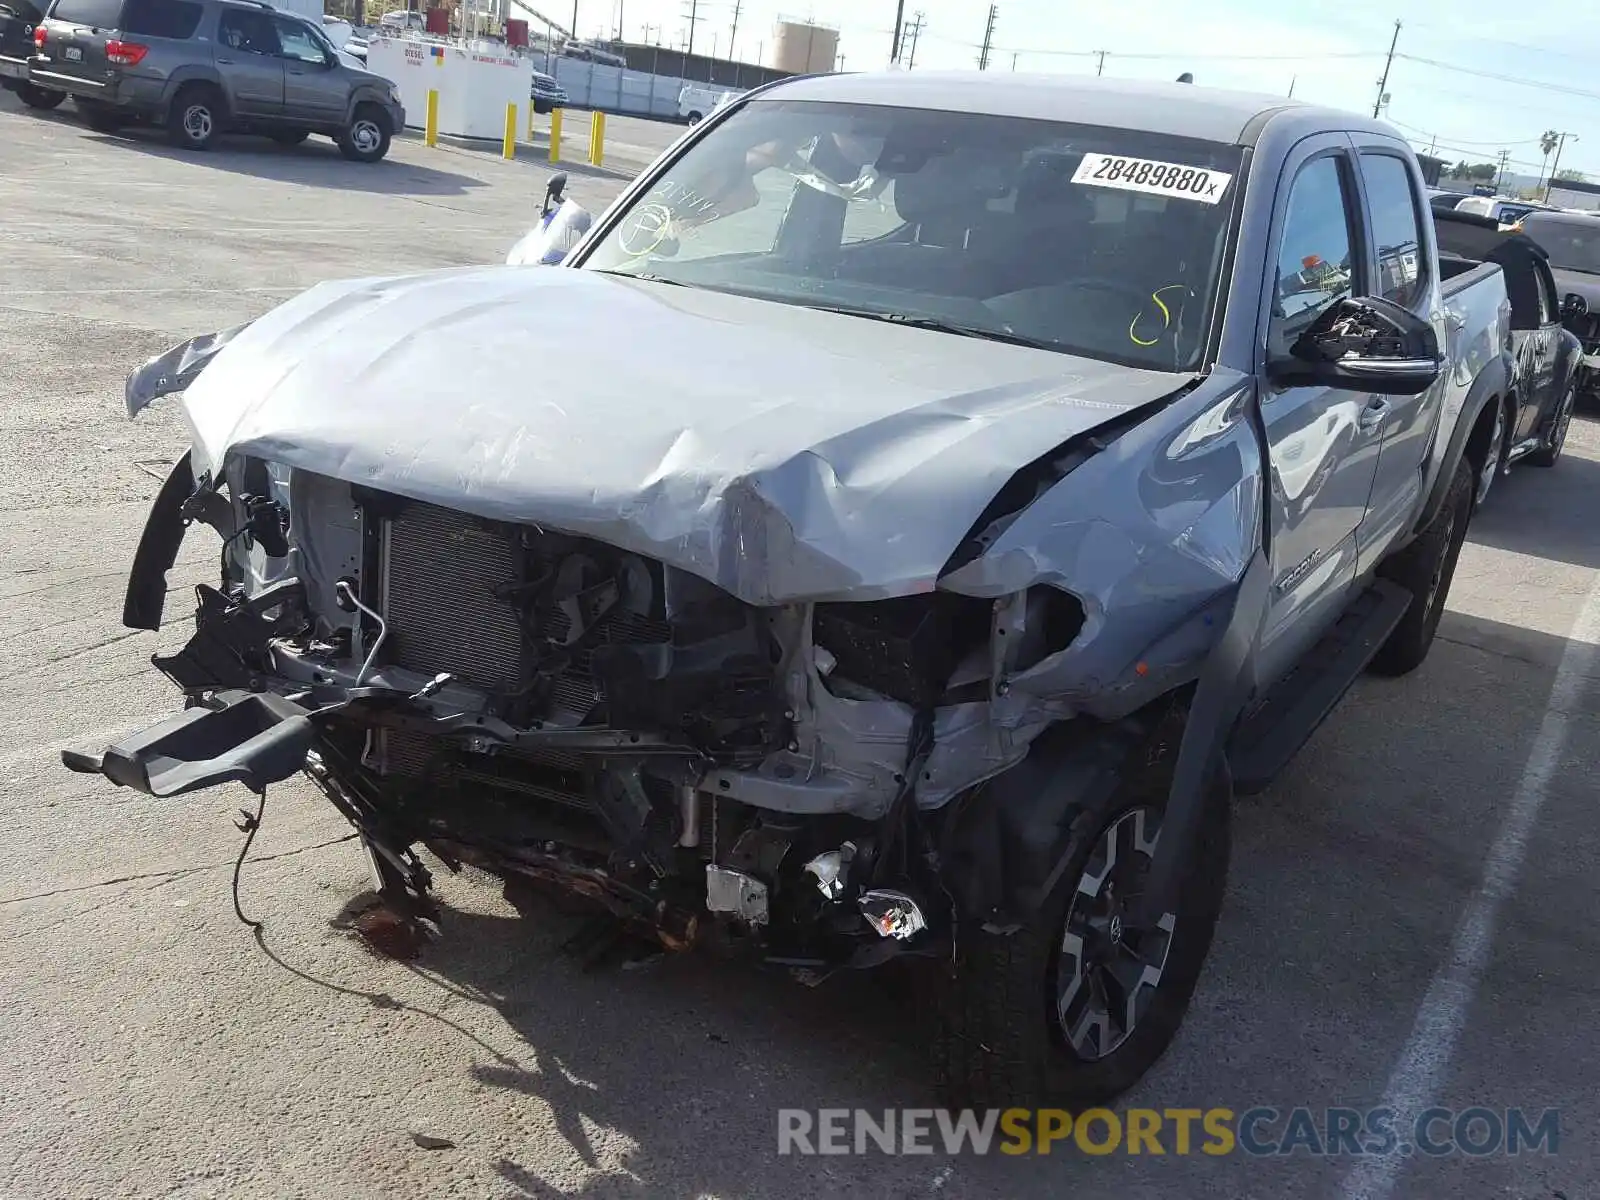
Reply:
x=17, y=21
x=998, y=475
x=1572, y=241
x=1537, y=408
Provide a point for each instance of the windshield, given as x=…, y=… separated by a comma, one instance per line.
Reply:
x=1573, y=244
x=1101, y=242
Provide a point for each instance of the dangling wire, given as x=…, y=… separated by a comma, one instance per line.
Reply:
x=248, y=826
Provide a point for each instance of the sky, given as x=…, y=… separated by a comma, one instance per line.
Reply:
x=1465, y=100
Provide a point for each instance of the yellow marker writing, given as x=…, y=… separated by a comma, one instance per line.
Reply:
x=1166, y=317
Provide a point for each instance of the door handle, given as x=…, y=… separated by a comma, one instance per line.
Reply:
x=1454, y=321
x=226, y=62
x=1373, y=414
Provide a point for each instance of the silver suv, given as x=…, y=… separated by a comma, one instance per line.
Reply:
x=199, y=67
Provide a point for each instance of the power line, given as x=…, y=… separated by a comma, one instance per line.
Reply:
x=1499, y=78
x=1465, y=142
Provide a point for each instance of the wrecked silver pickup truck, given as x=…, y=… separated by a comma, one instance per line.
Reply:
x=897, y=527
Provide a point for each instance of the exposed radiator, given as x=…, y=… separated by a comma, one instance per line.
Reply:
x=441, y=573
x=446, y=577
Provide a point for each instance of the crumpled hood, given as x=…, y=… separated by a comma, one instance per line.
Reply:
x=782, y=453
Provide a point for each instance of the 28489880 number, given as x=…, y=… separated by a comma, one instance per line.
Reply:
x=1155, y=177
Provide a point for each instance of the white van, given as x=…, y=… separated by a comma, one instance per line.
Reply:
x=696, y=102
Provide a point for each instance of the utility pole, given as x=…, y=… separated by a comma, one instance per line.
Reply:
x=694, y=16
x=734, y=32
x=1293, y=79
x=914, y=33
x=1100, y=68
x=1014, y=60
x=1501, y=173
x=988, y=38
x=1556, y=166
x=899, y=24
x=1383, y=84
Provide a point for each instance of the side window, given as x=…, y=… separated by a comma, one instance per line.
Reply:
x=176, y=19
x=297, y=43
x=1314, y=264
x=97, y=14
x=247, y=32
x=1394, y=228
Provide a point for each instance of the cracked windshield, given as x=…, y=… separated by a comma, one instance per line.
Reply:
x=1100, y=242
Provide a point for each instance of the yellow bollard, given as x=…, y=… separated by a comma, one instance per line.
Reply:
x=508, y=147
x=430, y=131
x=597, y=137
x=555, y=135
x=530, y=120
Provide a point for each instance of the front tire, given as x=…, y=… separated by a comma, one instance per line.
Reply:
x=366, y=138
x=195, y=118
x=40, y=98
x=1548, y=454
x=1426, y=568
x=1074, y=1008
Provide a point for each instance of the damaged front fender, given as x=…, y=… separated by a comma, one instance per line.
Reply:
x=174, y=370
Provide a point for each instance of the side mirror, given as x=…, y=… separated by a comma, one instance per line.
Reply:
x=1362, y=345
x=553, y=193
x=1573, y=305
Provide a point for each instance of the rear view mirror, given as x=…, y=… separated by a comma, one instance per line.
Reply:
x=553, y=192
x=1574, y=305
x=1362, y=345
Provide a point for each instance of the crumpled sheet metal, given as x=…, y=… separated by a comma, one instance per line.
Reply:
x=174, y=370
x=781, y=453
x=1153, y=536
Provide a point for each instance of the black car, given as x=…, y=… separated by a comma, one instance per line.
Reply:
x=1533, y=422
x=1572, y=241
x=17, y=21
x=546, y=93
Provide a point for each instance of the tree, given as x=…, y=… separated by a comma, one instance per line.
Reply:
x=1483, y=171
x=1572, y=176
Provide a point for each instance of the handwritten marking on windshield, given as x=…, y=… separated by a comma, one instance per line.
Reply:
x=1166, y=316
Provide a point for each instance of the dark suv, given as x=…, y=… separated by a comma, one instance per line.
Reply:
x=202, y=66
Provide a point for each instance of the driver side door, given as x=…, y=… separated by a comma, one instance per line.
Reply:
x=1322, y=444
x=314, y=89
x=248, y=62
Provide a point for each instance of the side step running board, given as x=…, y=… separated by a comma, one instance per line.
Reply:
x=1286, y=717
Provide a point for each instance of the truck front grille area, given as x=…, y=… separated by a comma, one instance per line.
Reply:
x=489, y=602
x=562, y=630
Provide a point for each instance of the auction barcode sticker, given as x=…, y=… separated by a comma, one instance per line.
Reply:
x=1149, y=175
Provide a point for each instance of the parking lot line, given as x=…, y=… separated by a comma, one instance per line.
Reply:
x=1424, y=1063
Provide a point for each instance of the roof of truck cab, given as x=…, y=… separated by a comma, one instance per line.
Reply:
x=1176, y=109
